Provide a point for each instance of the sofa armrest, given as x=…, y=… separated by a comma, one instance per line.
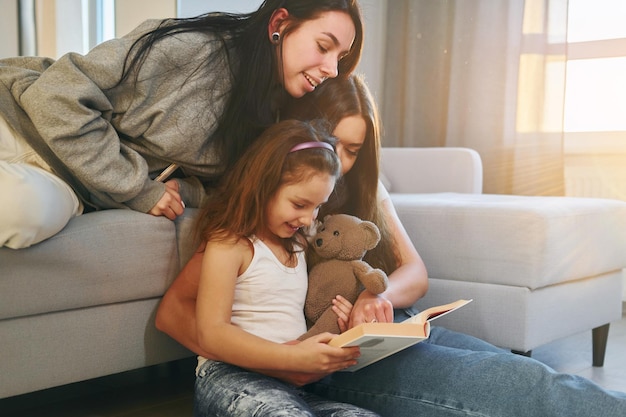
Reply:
x=431, y=170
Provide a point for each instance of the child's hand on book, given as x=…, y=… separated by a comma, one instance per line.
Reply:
x=342, y=308
x=314, y=355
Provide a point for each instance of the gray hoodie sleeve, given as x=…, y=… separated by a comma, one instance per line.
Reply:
x=102, y=132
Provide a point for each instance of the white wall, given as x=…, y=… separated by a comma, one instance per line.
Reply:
x=129, y=14
x=189, y=8
x=71, y=37
x=9, y=45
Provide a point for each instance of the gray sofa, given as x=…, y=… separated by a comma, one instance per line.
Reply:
x=81, y=304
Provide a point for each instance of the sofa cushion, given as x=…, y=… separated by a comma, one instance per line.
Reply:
x=521, y=241
x=92, y=261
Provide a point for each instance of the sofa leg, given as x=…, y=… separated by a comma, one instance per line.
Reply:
x=519, y=352
x=599, y=337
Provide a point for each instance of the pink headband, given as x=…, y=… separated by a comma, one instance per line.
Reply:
x=309, y=145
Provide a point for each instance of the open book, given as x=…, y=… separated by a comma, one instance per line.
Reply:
x=379, y=340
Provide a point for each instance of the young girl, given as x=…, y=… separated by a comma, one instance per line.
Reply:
x=96, y=130
x=253, y=280
x=449, y=374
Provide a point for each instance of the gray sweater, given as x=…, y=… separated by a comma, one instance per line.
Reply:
x=109, y=142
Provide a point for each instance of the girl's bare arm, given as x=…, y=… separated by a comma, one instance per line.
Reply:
x=222, y=263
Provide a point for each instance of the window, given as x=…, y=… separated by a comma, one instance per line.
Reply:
x=594, y=122
x=595, y=92
x=595, y=95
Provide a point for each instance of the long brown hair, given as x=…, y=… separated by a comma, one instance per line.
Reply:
x=239, y=207
x=356, y=194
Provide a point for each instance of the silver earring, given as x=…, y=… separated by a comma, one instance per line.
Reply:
x=275, y=37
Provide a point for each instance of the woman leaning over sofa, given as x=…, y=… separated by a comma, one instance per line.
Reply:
x=94, y=131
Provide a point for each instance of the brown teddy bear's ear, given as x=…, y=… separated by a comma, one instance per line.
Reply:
x=371, y=234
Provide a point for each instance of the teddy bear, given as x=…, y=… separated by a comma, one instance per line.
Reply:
x=340, y=244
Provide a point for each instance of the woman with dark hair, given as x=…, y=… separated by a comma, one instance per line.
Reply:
x=95, y=131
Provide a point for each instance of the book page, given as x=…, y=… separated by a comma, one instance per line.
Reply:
x=438, y=311
x=375, y=348
x=380, y=340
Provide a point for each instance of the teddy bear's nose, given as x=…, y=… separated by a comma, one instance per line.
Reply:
x=319, y=242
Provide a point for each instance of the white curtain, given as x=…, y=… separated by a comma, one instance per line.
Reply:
x=484, y=74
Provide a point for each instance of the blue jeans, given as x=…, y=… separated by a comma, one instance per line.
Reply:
x=452, y=374
x=224, y=390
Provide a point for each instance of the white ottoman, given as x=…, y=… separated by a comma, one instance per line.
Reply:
x=538, y=268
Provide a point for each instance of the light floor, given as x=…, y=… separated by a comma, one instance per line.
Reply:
x=166, y=390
